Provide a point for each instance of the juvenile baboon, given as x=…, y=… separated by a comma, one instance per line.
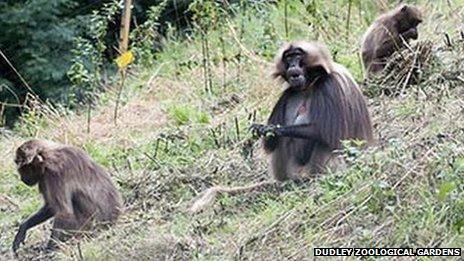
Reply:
x=76, y=191
x=322, y=106
x=389, y=32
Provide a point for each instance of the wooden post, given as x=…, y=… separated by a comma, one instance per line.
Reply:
x=125, y=26
x=123, y=44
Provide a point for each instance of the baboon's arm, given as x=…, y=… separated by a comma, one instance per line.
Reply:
x=302, y=131
x=41, y=216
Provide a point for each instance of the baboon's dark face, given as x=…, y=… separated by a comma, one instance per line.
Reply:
x=411, y=17
x=27, y=168
x=28, y=162
x=29, y=175
x=294, y=60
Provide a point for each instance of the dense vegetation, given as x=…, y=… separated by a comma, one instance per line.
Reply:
x=183, y=122
x=42, y=39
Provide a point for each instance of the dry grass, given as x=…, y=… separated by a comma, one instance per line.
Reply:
x=393, y=194
x=420, y=64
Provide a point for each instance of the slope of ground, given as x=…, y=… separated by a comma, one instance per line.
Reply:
x=179, y=133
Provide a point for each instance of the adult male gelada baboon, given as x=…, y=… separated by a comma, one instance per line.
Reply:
x=322, y=106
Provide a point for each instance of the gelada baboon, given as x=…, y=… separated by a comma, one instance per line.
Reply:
x=77, y=192
x=322, y=106
x=389, y=32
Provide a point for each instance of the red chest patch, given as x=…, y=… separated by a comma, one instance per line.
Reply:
x=302, y=109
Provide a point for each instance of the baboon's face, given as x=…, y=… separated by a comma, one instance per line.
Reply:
x=295, y=74
x=411, y=17
x=303, y=66
x=30, y=175
x=27, y=161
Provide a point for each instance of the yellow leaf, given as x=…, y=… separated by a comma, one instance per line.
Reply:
x=125, y=59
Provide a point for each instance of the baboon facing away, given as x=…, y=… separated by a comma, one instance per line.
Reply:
x=389, y=32
x=76, y=191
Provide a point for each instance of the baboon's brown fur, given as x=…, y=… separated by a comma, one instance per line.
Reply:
x=389, y=32
x=334, y=110
x=77, y=192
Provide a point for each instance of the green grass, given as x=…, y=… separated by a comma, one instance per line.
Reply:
x=175, y=139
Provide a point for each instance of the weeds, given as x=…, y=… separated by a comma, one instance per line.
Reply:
x=180, y=135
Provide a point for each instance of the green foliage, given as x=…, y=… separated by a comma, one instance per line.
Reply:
x=31, y=123
x=445, y=189
x=186, y=114
x=88, y=62
x=145, y=37
x=206, y=13
x=404, y=190
x=61, y=47
x=36, y=36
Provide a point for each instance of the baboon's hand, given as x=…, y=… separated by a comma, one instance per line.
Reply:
x=257, y=130
x=260, y=130
x=410, y=34
x=19, y=238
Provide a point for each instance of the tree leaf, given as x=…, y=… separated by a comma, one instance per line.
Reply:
x=125, y=59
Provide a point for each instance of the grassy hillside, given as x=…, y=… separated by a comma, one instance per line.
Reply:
x=180, y=132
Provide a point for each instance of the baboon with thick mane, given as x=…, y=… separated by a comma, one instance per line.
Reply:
x=322, y=106
x=77, y=192
x=389, y=32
